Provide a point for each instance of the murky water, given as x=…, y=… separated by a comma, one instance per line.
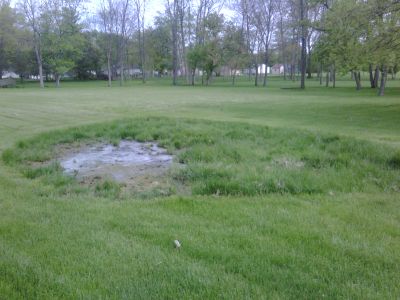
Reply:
x=127, y=161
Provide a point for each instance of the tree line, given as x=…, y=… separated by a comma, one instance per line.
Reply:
x=192, y=39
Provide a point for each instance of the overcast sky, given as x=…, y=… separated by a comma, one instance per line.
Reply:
x=152, y=9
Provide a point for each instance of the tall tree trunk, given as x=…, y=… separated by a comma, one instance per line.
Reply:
x=293, y=72
x=357, y=78
x=327, y=78
x=143, y=57
x=383, y=81
x=141, y=47
x=175, y=43
x=256, y=79
x=41, y=75
x=57, y=77
x=193, y=75
x=121, y=78
x=284, y=70
x=39, y=62
x=266, y=61
x=109, y=68
x=182, y=32
x=371, y=77
x=376, y=77
x=321, y=69
x=121, y=66
x=303, y=44
x=334, y=75
x=309, y=73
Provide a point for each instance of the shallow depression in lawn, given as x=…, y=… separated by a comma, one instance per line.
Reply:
x=125, y=162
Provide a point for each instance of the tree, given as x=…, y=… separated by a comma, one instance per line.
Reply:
x=140, y=6
x=32, y=11
x=207, y=28
x=212, y=46
x=88, y=64
x=382, y=37
x=342, y=41
x=234, y=49
x=62, y=38
x=281, y=35
x=108, y=16
x=184, y=15
x=244, y=10
x=172, y=9
x=264, y=18
x=196, y=56
x=303, y=18
x=122, y=30
x=159, y=48
x=24, y=62
x=7, y=35
x=315, y=12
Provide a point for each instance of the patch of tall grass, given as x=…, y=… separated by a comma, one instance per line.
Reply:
x=224, y=158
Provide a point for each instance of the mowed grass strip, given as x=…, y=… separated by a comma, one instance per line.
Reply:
x=305, y=247
x=29, y=110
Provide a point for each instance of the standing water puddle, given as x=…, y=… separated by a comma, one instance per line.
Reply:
x=128, y=161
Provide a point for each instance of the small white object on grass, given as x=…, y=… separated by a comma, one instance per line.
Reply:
x=177, y=244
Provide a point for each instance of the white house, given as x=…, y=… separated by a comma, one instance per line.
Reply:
x=10, y=74
x=278, y=69
x=262, y=68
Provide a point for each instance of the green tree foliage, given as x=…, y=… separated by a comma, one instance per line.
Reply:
x=361, y=33
x=62, y=38
x=196, y=57
x=8, y=41
x=207, y=54
x=88, y=64
x=235, y=54
x=159, y=45
x=24, y=55
x=193, y=38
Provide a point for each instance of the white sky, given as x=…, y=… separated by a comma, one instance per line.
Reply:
x=152, y=9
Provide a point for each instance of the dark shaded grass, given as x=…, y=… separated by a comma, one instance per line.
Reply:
x=231, y=158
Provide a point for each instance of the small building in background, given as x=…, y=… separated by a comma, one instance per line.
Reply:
x=264, y=68
x=261, y=70
x=10, y=74
x=277, y=69
x=228, y=71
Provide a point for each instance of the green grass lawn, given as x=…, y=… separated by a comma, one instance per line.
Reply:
x=290, y=193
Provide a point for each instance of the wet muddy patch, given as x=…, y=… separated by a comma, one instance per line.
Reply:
x=140, y=167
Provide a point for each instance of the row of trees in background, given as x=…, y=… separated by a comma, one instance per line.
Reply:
x=358, y=35
x=192, y=39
